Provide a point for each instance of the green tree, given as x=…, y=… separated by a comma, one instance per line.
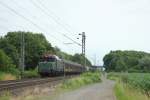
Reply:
x=79, y=58
x=144, y=63
x=35, y=45
x=126, y=61
x=62, y=55
x=120, y=65
x=5, y=61
x=10, y=50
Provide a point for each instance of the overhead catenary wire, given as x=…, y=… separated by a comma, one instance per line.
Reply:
x=72, y=40
x=25, y=9
x=29, y=13
x=37, y=6
x=27, y=19
x=6, y=29
x=16, y=3
x=57, y=18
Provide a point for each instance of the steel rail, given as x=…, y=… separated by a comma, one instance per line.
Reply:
x=12, y=85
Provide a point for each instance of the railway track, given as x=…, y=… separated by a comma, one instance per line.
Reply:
x=13, y=85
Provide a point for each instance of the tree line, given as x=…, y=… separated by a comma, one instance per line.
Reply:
x=127, y=61
x=35, y=46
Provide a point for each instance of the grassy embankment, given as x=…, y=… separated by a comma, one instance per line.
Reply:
x=68, y=85
x=131, y=86
x=7, y=76
x=84, y=79
x=14, y=74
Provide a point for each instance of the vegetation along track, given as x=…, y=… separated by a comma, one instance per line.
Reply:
x=12, y=85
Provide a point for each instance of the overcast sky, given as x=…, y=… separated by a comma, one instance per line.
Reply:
x=108, y=24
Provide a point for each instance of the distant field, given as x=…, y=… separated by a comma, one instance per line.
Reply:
x=135, y=82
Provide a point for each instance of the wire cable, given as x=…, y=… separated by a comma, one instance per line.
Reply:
x=37, y=6
x=11, y=9
x=55, y=17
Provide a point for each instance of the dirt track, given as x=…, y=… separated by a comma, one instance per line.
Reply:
x=98, y=91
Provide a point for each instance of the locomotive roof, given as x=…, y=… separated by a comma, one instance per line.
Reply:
x=51, y=56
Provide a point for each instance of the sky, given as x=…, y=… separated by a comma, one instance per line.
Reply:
x=108, y=24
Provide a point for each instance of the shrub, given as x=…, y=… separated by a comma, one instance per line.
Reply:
x=31, y=74
x=6, y=65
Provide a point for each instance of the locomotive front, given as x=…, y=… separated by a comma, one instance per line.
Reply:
x=47, y=65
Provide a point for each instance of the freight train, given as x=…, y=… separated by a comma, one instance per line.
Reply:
x=52, y=65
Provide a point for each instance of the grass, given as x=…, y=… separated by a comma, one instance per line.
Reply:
x=124, y=89
x=13, y=74
x=5, y=96
x=84, y=79
x=113, y=76
x=123, y=92
x=7, y=76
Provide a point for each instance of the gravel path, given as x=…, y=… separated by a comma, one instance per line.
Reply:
x=98, y=91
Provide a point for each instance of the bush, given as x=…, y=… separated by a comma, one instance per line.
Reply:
x=5, y=61
x=11, y=70
x=31, y=74
x=6, y=65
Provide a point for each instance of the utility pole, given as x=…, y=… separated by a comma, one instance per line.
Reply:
x=22, y=60
x=83, y=47
x=95, y=59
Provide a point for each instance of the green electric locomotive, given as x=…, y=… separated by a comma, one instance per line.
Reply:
x=51, y=65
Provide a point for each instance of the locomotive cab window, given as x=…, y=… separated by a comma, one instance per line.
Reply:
x=49, y=59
